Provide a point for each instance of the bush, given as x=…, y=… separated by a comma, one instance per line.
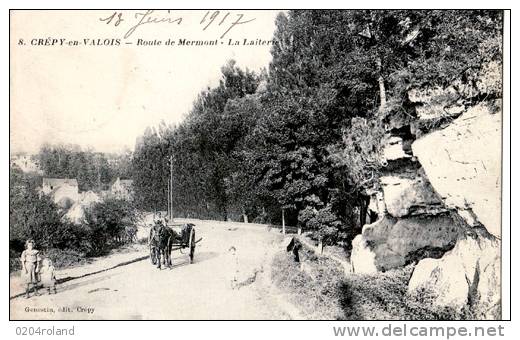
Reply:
x=14, y=260
x=318, y=296
x=325, y=292
x=64, y=258
x=35, y=216
x=106, y=222
x=381, y=296
x=323, y=222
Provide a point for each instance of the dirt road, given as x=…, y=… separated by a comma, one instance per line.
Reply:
x=188, y=291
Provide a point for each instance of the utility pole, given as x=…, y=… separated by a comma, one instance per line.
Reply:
x=169, y=205
x=283, y=221
x=171, y=187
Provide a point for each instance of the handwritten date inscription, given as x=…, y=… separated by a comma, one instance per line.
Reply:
x=225, y=20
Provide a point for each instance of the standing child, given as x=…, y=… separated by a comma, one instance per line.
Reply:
x=47, y=275
x=233, y=266
x=30, y=264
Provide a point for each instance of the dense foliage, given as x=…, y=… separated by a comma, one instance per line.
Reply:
x=91, y=169
x=107, y=223
x=33, y=215
x=325, y=293
x=305, y=135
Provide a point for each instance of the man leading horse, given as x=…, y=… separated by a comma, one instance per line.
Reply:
x=162, y=238
x=161, y=241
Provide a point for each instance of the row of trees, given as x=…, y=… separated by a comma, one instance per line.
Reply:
x=305, y=135
x=91, y=169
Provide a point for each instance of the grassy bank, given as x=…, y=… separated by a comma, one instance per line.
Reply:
x=322, y=291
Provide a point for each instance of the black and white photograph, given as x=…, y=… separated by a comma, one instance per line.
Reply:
x=282, y=164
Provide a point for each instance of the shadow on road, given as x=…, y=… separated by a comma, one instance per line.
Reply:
x=71, y=286
x=184, y=260
x=179, y=261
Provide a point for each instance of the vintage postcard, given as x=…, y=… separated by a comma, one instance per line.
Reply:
x=256, y=164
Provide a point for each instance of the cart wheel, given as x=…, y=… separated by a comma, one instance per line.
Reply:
x=192, y=244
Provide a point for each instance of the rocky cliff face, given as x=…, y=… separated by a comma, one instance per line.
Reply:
x=395, y=242
x=439, y=197
x=463, y=164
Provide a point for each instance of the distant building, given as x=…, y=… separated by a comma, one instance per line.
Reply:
x=50, y=184
x=77, y=212
x=122, y=189
x=64, y=191
x=27, y=163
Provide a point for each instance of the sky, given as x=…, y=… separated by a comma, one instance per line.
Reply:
x=103, y=97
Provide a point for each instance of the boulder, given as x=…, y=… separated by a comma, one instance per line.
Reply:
x=393, y=149
x=466, y=276
x=390, y=243
x=362, y=258
x=463, y=164
x=410, y=196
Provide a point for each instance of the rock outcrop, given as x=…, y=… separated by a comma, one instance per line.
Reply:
x=390, y=242
x=463, y=161
x=362, y=258
x=395, y=149
x=466, y=276
x=410, y=196
x=438, y=199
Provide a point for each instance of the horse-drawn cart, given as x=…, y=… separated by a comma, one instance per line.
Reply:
x=165, y=239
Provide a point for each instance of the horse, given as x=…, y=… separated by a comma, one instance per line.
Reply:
x=161, y=242
x=162, y=239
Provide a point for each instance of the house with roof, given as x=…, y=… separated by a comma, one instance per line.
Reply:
x=63, y=191
x=122, y=189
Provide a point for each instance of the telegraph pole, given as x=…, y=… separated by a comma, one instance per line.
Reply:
x=169, y=205
x=171, y=187
x=283, y=221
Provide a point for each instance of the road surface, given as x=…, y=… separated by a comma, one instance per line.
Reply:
x=201, y=290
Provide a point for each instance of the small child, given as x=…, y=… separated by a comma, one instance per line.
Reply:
x=30, y=264
x=47, y=275
x=233, y=266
